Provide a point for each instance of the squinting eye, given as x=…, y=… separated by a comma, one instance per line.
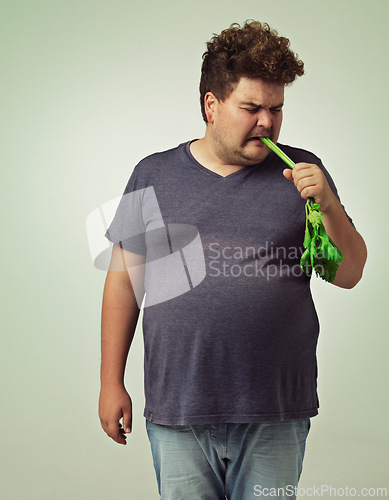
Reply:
x=251, y=110
x=276, y=110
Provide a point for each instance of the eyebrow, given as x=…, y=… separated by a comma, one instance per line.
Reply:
x=259, y=106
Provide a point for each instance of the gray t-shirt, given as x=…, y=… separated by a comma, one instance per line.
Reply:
x=230, y=328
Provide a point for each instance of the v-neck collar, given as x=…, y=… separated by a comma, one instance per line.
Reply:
x=215, y=174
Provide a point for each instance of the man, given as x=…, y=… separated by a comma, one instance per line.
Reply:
x=230, y=360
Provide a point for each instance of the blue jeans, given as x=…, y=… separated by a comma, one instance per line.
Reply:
x=233, y=461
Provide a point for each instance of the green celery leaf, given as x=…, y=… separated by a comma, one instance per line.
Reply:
x=315, y=218
x=321, y=253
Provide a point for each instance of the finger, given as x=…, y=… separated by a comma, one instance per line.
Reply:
x=114, y=431
x=117, y=435
x=303, y=166
x=304, y=183
x=127, y=421
x=120, y=439
x=311, y=192
x=288, y=173
x=302, y=175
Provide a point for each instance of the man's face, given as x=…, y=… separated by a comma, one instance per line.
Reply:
x=253, y=109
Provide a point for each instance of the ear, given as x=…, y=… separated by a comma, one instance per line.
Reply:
x=210, y=104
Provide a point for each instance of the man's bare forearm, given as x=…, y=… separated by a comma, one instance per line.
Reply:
x=119, y=318
x=350, y=243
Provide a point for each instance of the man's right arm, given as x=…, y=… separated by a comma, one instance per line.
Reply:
x=120, y=312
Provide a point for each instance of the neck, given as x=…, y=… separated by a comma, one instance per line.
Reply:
x=203, y=151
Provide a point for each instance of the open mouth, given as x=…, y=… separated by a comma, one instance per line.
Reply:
x=257, y=138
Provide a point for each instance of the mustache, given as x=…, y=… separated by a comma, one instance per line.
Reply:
x=261, y=133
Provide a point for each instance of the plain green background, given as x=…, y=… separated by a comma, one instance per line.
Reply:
x=88, y=89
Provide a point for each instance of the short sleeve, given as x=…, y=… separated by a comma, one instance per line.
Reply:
x=127, y=229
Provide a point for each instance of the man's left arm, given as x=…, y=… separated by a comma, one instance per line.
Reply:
x=311, y=182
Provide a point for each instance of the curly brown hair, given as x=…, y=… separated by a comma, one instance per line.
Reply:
x=253, y=51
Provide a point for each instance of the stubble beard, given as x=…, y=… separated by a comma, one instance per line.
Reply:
x=236, y=155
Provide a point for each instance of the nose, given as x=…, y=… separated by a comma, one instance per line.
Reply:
x=264, y=118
